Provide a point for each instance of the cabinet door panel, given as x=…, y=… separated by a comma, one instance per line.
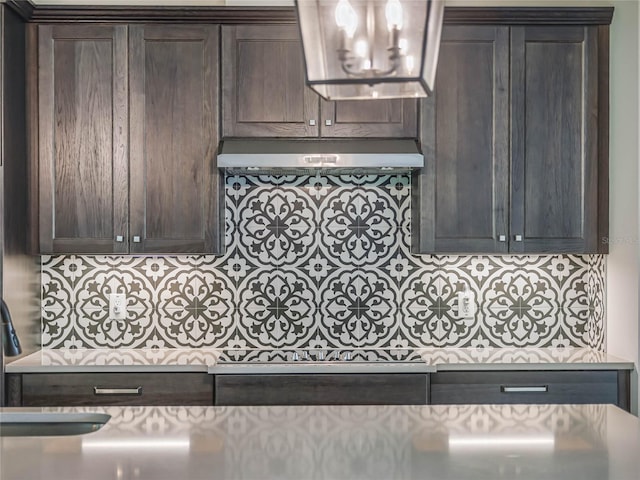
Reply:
x=263, y=89
x=174, y=180
x=554, y=149
x=83, y=138
x=461, y=197
x=370, y=118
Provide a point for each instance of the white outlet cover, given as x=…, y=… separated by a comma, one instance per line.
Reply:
x=117, y=306
x=466, y=304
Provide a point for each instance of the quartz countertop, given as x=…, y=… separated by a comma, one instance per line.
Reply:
x=569, y=442
x=205, y=360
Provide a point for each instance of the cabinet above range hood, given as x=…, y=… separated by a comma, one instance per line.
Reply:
x=310, y=157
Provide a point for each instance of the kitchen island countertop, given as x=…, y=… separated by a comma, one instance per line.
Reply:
x=460, y=442
x=206, y=360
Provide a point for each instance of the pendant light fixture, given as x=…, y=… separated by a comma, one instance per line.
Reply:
x=364, y=49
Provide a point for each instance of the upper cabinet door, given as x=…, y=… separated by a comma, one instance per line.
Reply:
x=82, y=128
x=175, y=185
x=395, y=118
x=554, y=149
x=461, y=196
x=263, y=84
x=264, y=93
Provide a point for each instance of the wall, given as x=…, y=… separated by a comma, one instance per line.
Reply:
x=623, y=334
x=19, y=272
x=322, y=261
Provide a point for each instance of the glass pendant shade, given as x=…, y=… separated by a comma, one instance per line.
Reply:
x=364, y=49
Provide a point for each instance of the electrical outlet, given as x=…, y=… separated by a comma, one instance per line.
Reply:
x=117, y=306
x=466, y=304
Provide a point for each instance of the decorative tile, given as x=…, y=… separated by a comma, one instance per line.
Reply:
x=522, y=310
x=194, y=327
x=575, y=325
x=277, y=309
x=57, y=324
x=322, y=261
x=339, y=327
x=316, y=267
x=318, y=188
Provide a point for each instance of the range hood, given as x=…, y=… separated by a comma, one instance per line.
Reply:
x=310, y=157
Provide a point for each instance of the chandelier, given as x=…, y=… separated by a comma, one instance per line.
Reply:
x=363, y=49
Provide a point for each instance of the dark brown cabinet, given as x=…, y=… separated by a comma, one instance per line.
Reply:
x=176, y=190
x=554, y=139
x=78, y=389
x=512, y=387
x=462, y=202
x=83, y=138
x=511, y=142
x=127, y=139
x=322, y=389
x=264, y=95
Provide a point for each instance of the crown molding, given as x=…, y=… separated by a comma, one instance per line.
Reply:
x=229, y=15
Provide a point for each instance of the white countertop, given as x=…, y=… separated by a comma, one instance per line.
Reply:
x=204, y=360
x=479, y=442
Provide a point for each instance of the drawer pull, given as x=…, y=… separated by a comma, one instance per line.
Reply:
x=525, y=389
x=117, y=391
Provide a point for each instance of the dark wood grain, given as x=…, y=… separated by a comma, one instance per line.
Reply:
x=603, y=140
x=257, y=15
x=263, y=90
x=264, y=94
x=596, y=386
x=175, y=207
x=82, y=138
x=322, y=389
x=14, y=390
x=554, y=102
x=461, y=197
x=32, y=112
x=71, y=389
x=624, y=390
x=372, y=118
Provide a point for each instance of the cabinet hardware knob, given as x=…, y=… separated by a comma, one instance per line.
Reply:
x=117, y=391
x=327, y=123
x=518, y=238
x=136, y=239
x=119, y=238
x=312, y=122
x=502, y=238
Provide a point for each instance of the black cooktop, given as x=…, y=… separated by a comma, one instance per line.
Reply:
x=311, y=355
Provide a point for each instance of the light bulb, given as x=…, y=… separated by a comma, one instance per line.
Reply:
x=361, y=48
x=346, y=17
x=403, y=44
x=393, y=12
x=409, y=62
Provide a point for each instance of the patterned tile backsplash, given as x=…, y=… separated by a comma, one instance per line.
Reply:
x=322, y=262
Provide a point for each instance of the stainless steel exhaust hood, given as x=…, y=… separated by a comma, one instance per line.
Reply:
x=310, y=157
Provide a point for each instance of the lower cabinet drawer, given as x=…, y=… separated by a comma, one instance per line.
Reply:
x=321, y=389
x=69, y=389
x=526, y=387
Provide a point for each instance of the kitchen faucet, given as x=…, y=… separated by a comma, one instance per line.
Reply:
x=10, y=342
